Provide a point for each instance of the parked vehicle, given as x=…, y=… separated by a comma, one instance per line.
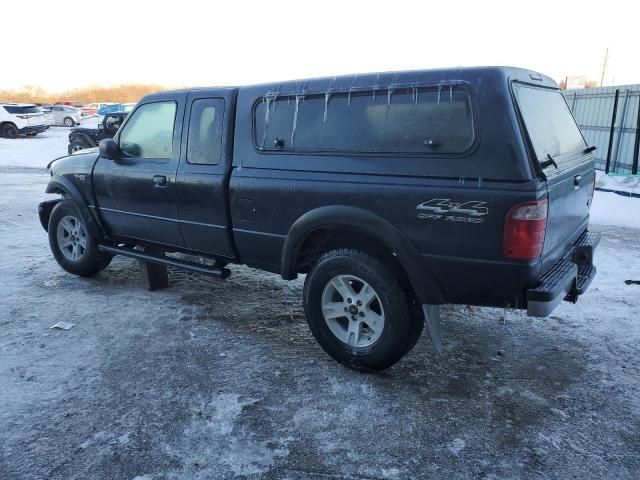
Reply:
x=65, y=115
x=88, y=137
x=49, y=118
x=116, y=107
x=394, y=193
x=22, y=119
x=70, y=103
x=92, y=108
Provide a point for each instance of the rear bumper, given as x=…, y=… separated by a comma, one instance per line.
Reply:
x=32, y=129
x=567, y=279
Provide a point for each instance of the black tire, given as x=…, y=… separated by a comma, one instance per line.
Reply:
x=9, y=130
x=401, y=328
x=76, y=146
x=91, y=260
x=68, y=122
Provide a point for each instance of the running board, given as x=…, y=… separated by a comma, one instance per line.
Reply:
x=169, y=262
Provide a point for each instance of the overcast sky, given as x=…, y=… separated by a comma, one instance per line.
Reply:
x=61, y=44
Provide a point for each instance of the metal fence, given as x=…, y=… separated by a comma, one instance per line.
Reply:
x=609, y=118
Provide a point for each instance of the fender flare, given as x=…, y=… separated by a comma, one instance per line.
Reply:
x=424, y=284
x=69, y=190
x=82, y=137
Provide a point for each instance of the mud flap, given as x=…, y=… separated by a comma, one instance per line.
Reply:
x=432, y=319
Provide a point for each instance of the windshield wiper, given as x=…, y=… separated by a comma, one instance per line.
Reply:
x=550, y=161
x=589, y=149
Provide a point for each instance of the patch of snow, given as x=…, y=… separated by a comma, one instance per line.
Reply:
x=620, y=183
x=456, y=446
x=34, y=152
x=613, y=209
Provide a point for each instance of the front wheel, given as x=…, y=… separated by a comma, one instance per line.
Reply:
x=358, y=310
x=9, y=131
x=68, y=122
x=72, y=245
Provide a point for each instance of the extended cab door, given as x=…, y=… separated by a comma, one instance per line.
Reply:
x=136, y=193
x=203, y=174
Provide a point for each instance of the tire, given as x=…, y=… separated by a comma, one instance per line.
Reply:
x=72, y=245
x=75, y=146
x=393, y=327
x=68, y=122
x=9, y=130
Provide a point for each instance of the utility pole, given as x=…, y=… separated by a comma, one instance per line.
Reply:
x=604, y=65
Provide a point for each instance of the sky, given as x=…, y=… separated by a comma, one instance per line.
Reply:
x=60, y=45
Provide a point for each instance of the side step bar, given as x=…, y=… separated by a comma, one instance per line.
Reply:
x=169, y=262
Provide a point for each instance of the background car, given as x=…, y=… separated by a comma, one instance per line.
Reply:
x=65, y=115
x=88, y=136
x=92, y=108
x=22, y=119
x=70, y=103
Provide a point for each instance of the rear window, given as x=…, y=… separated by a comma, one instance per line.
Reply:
x=406, y=120
x=21, y=110
x=549, y=122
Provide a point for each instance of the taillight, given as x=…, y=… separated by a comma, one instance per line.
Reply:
x=524, y=230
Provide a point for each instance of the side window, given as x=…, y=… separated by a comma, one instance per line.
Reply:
x=204, y=141
x=113, y=121
x=149, y=133
x=402, y=120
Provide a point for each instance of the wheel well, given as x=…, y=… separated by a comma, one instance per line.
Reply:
x=81, y=138
x=2, y=124
x=325, y=239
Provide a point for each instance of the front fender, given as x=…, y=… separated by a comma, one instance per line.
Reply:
x=63, y=186
x=424, y=284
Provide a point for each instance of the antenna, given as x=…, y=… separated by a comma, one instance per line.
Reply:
x=604, y=65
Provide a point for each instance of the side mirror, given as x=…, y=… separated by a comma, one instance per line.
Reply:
x=101, y=126
x=109, y=149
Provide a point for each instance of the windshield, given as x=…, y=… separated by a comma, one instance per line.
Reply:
x=549, y=122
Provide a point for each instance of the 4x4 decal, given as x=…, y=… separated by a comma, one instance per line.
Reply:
x=445, y=208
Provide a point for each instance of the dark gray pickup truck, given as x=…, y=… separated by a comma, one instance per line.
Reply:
x=393, y=193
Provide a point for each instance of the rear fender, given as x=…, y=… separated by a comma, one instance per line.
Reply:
x=423, y=283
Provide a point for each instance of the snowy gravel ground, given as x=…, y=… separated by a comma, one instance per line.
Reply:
x=218, y=379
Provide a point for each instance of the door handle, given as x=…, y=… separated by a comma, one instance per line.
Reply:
x=577, y=179
x=160, y=180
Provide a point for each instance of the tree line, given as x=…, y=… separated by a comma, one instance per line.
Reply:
x=125, y=93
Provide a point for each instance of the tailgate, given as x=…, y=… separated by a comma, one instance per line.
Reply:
x=566, y=162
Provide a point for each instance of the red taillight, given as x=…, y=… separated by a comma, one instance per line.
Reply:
x=524, y=230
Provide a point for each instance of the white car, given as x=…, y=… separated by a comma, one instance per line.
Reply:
x=22, y=119
x=65, y=115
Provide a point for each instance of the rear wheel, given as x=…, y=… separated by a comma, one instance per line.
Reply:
x=72, y=245
x=358, y=311
x=68, y=122
x=9, y=131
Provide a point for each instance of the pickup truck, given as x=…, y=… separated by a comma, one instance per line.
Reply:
x=394, y=193
x=89, y=137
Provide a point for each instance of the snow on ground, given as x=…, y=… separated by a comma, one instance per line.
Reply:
x=612, y=209
x=34, y=152
x=618, y=183
x=222, y=379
